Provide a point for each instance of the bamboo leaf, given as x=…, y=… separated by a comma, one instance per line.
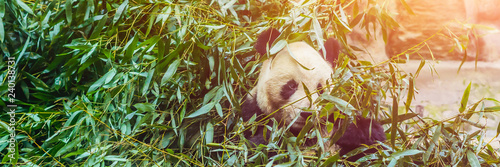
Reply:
x=130, y=48
x=342, y=19
x=343, y=105
x=2, y=14
x=36, y=81
x=119, y=11
x=115, y=158
x=410, y=95
x=498, y=129
x=307, y=127
x=400, y=154
x=356, y=20
x=422, y=63
x=71, y=145
x=172, y=68
x=278, y=47
x=473, y=161
x=68, y=10
x=218, y=108
x=394, y=123
x=2, y=31
x=308, y=93
x=146, y=85
x=88, y=54
x=24, y=6
x=408, y=9
x=318, y=33
x=209, y=133
x=78, y=152
x=97, y=30
x=465, y=99
x=145, y=107
x=203, y=110
x=433, y=143
x=331, y=160
x=103, y=80
x=2, y=8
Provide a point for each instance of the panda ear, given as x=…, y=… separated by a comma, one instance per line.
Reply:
x=265, y=40
x=332, y=48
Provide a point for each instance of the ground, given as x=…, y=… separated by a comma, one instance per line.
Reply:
x=441, y=91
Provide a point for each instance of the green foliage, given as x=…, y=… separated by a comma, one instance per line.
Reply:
x=142, y=83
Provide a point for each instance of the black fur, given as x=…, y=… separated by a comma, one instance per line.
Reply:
x=249, y=108
x=265, y=40
x=332, y=48
x=289, y=89
x=356, y=135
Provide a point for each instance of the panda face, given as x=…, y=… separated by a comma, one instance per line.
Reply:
x=282, y=80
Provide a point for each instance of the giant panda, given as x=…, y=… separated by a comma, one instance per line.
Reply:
x=280, y=83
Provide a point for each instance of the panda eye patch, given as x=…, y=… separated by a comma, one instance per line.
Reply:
x=320, y=87
x=289, y=89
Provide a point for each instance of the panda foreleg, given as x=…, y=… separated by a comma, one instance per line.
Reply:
x=249, y=108
x=365, y=132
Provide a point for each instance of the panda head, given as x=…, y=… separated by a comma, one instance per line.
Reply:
x=285, y=76
x=280, y=92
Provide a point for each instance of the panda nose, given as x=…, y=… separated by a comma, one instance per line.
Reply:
x=305, y=114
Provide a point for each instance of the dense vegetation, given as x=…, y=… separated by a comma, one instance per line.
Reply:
x=159, y=83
